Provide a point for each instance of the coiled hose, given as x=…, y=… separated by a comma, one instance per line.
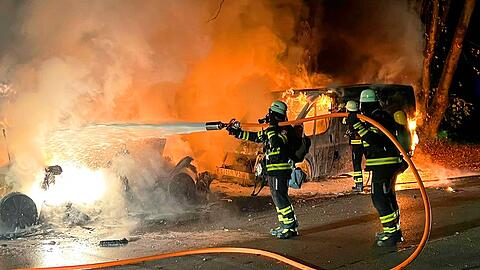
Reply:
x=298, y=265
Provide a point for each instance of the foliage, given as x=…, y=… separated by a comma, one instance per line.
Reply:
x=458, y=112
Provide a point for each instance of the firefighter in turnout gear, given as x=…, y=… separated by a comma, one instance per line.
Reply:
x=278, y=168
x=384, y=162
x=357, y=149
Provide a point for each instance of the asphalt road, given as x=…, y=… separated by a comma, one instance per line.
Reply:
x=336, y=233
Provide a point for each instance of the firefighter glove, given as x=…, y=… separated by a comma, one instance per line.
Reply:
x=233, y=127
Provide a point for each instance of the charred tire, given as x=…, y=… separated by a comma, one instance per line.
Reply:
x=17, y=210
x=182, y=189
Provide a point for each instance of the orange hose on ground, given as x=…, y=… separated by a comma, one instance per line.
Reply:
x=184, y=253
x=298, y=265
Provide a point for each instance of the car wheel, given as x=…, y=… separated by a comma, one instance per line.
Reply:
x=182, y=189
x=17, y=210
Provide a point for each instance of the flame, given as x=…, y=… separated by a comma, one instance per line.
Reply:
x=76, y=184
x=412, y=126
x=296, y=103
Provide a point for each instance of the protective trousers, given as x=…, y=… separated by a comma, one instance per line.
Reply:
x=279, y=191
x=385, y=201
x=357, y=154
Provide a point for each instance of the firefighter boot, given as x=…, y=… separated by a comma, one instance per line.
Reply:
x=379, y=235
x=389, y=239
x=288, y=223
x=280, y=228
x=287, y=233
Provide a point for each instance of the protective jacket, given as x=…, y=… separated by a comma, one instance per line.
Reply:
x=357, y=152
x=380, y=153
x=276, y=148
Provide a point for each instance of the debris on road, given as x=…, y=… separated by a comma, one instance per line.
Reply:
x=74, y=216
x=113, y=243
x=450, y=189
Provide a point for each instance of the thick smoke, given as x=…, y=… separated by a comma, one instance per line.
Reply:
x=370, y=41
x=76, y=62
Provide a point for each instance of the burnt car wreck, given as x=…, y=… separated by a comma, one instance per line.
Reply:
x=177, y=182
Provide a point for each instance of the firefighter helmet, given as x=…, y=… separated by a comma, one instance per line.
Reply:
x=368, y=95
x=400, y=117
x=279, y=107
x=352, y=106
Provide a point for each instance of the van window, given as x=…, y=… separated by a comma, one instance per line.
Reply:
x=321, y=106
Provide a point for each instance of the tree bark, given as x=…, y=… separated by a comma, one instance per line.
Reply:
x=423, y=97
x=441, y=99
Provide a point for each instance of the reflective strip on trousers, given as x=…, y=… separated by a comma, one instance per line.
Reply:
x=357, y=173
x=285, y=220
x=285, y=211
x=388, y=218
x=383, y=161
x=389, y=229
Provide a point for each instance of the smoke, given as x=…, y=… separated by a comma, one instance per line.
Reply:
x=371, y=41
x=76, y=62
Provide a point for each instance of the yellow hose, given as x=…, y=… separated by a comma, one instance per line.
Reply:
x=298, y=265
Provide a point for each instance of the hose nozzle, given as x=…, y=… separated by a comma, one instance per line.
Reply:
x=215, y=125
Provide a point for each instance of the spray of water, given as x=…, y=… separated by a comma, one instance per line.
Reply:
x=94, y=144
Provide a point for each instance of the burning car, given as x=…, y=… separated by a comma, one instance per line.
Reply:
x=329, y=154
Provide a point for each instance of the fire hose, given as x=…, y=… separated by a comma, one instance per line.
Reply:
x=295, y=264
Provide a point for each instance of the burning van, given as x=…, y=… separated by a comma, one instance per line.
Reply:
x=329, y=154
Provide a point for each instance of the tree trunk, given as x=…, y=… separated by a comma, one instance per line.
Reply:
x=423, y=97
x=440, y=100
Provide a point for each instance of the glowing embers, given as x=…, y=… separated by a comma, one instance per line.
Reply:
x=76, y=184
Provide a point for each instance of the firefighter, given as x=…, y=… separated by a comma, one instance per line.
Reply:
x=357, y=149
x=384, y=161
x=278, y=168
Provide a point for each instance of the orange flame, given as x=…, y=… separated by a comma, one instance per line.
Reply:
x=412, y=126
x=296, y=103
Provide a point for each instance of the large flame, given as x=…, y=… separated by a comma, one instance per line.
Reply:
x=296, y=103
x=76, y=184
x=412, y=126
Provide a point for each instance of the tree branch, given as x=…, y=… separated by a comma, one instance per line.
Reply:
x=218, y=11
x=440, y=101
x=423, y=98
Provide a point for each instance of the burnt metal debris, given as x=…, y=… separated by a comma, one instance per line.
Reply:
x=50, y=173
x=113, y=243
